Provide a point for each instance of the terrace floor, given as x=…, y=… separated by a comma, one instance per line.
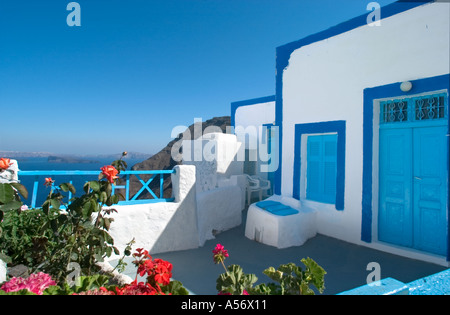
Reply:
x=344, y=263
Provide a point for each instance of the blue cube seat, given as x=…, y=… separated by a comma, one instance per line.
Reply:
x=276, y=208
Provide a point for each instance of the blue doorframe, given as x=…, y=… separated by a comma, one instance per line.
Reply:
x=437, y=83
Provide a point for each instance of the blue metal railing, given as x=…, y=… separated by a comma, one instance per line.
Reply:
x=38, y=175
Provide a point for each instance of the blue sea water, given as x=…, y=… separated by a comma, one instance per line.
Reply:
x=42, y=164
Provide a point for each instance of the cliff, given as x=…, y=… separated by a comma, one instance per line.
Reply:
x=163, y=159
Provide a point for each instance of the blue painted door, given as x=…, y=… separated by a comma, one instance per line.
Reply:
x=413, y=188
x=430, y=189
x=395, y=222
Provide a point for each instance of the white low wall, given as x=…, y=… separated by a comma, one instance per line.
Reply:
x=2, y=271
x=10, y=175
x=188, y=222
x=218, y=210
x=161, y=227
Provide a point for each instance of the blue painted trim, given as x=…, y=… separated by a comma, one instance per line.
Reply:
x=391, y=90
x=338, y=126
x=283, y=54
x=67, y=173
x=144, y=201
x=145, y=185
x=253, y=101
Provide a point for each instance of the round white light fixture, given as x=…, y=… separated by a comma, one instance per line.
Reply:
x=406, y=86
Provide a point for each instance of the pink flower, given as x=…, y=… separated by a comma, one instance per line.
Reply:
x=220, y=253
x=35, y=283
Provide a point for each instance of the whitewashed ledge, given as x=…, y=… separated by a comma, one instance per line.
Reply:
x=119, y=278
x=10, y=175
x=3, y=270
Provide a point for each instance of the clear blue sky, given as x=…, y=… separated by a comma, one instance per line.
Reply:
x=135, y=69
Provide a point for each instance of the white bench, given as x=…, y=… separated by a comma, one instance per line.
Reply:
x=275, y=222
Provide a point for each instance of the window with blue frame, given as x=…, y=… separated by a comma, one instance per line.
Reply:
x=321, y=156
x=321, y=168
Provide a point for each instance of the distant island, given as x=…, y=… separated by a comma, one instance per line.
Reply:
x=60, y=159
x=75, y=157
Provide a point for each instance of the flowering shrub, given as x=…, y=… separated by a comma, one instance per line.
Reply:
x=35, y=283
x=233, y=281
x=60, y=233
x=292, y=280
x=157, y=273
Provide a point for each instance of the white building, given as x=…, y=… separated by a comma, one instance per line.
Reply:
x=363, y=119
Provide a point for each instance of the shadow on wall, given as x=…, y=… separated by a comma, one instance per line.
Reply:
x=186, y=223
x=164, y=226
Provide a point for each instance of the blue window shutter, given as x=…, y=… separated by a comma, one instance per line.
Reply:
x=329, y=168
x=314, y=164
x=321, y=168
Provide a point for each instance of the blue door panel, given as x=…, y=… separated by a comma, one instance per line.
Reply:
x=395, y=215
x=430, y=189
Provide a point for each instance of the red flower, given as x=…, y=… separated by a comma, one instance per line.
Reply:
x=158, y=271
x=162, y=271
x=220, y=253
x=110, y=173
x=49, y=182
x=145, y=267
x=135, y=288
x=5, y=163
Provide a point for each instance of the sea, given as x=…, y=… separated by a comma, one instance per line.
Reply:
x=42, y=164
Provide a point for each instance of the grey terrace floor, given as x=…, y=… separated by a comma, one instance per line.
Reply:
x=345, y=263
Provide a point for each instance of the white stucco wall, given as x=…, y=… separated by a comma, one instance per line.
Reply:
x=10, y=175
x=254, y=115
x=249, y=120
x=2, y=271
x=325, y=81
x=218, y=210
x=198, y=212
x=164, y=226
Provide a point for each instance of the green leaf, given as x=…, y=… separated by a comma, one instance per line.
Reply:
x=13, y=205
x=95, y=186
x=106, y=223
x=108, y=188
x=87, y=283
x=67, y=187
x=103, y=197
x=315, y=272
x=6, y=193
x=20, y=292
x=55, y=203
x=21, y=189
x=175, y=287
x=87, y=210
